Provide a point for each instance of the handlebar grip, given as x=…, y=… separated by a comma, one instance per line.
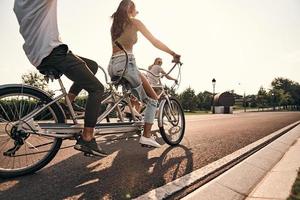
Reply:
x=173, y=61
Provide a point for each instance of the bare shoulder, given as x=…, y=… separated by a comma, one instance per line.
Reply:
x=137, y=23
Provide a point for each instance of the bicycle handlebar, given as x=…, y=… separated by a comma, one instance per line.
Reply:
x=179, y=63
x=161, y=76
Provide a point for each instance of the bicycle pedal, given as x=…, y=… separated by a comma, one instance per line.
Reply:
x=8, y=153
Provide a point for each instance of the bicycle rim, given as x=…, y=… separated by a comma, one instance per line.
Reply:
x=173, y=122
x=33, y=151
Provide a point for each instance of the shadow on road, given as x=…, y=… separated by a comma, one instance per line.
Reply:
x=128, y=172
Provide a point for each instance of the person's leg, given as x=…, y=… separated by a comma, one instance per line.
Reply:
x=62, y=60
x=148, y=88
x=138, y=83
x=75, y=87
x=76, y=69
x=150, y=105
x=81, y=75
x=136, y=104
x=136, y=108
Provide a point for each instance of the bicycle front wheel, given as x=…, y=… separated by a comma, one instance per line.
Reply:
x=22, y=151
x=171, y=121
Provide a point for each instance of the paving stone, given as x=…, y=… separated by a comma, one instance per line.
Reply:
x=214, y=191
x=290, y=161
x=279, y=146
x=265, y=159
x=280, y=190
x=242, y=178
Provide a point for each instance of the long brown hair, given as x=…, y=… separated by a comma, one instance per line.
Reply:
x=120, y=19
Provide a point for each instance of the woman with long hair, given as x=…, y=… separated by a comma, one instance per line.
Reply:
x=124, y=31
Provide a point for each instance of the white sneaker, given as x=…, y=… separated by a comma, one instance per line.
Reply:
x=149, y=142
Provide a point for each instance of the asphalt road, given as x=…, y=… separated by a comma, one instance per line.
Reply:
x=131, y=170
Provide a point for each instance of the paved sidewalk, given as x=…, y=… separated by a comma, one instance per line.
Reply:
x=278, y=182
x=266, y=175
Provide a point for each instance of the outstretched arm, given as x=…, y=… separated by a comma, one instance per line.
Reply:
x=155, y=42
x=167, y=76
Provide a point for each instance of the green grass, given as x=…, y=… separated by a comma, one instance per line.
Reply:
x=295, y=193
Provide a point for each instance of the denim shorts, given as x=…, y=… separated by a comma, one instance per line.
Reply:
x=132, y=75
x=117, y=66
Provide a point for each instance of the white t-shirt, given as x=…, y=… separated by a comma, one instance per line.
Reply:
x=156, y=70
x=38, y=26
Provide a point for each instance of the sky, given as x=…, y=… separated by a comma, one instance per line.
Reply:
x=243, y=44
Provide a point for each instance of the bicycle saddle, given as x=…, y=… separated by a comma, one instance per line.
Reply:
x=50, y=72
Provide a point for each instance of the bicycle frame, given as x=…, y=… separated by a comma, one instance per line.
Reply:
x=67, y=130
x=164, y=93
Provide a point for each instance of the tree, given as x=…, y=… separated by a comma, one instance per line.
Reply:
x=252, y=101
x=288, y=90
x=262, y=98
x=171, y=91
x=282, y=83
x=204, y=100
x=37, y=80
x=188, y=99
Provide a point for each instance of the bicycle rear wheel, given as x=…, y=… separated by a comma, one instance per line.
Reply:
x=171, y=121
x=22, y=151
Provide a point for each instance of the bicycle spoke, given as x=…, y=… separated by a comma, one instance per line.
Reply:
x=31, y=145
x=26, y=154
x=41, y=145
x=5, y=112
x=13, y=113
x=16, y=110
x=21, y=108
x=21, y=151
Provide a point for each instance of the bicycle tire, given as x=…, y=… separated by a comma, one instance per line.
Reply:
x=60, y=117
x=162, y=128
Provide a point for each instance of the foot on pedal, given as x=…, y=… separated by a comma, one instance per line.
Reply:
x=89, y=147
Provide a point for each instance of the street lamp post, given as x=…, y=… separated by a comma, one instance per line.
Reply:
x=244, y=102
x=244, y=99
x=273, y=100
x=213, y=84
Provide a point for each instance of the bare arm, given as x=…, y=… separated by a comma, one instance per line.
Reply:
x=154, y=41
x=167, y=76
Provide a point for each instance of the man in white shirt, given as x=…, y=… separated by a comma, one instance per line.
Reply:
x=46, y=51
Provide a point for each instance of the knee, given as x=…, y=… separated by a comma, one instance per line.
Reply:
x=152, y=102
x=97, y=89
x=92, y=65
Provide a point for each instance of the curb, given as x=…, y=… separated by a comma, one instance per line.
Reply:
x=213, y=170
